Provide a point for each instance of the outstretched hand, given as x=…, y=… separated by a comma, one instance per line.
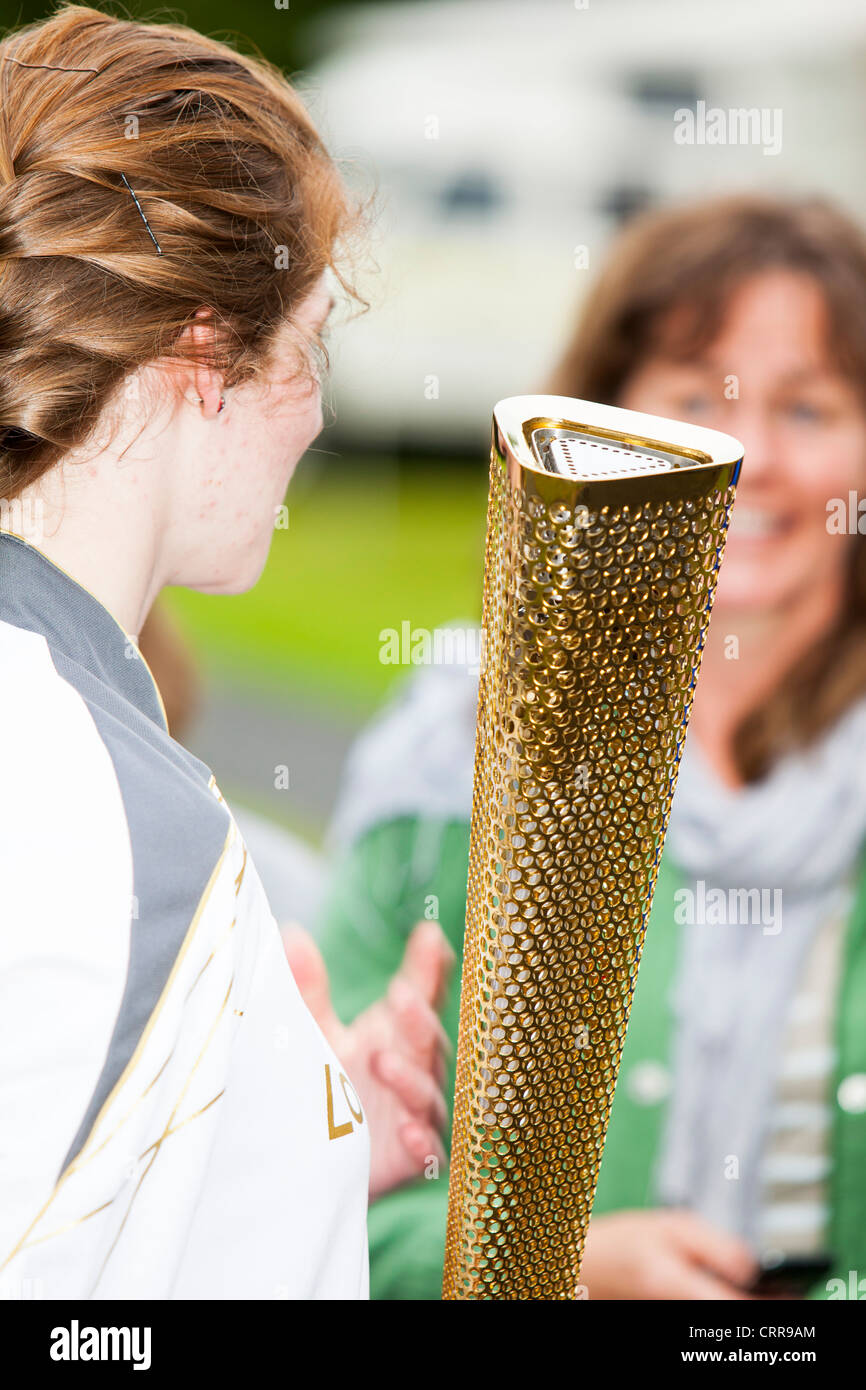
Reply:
x=392, y=1053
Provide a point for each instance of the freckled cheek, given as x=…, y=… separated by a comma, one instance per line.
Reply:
x=301, y=426
x=248, y=476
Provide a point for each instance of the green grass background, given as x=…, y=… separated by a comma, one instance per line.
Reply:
x=369, y=546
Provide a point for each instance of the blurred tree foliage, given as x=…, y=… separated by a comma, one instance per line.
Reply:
x=283, y=33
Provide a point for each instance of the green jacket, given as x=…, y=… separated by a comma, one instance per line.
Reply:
x=407, y=869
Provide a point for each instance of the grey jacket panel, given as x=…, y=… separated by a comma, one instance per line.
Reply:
x=177, y=827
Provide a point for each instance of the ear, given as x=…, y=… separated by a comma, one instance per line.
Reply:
x=207, y=382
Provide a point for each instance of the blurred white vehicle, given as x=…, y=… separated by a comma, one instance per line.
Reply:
x=508, y=140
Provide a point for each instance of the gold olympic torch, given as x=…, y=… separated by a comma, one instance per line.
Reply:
x=605, y=531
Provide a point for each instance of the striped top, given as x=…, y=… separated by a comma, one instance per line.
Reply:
x=795, y=1211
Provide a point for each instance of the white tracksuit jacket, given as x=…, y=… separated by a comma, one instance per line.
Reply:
x=172, y=1122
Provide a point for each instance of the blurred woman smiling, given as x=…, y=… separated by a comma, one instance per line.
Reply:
x=738, y=1132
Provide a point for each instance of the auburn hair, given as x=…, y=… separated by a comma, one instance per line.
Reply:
x=146, y=172
x=668, y=284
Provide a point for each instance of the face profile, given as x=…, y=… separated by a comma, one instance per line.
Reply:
x=164, y=300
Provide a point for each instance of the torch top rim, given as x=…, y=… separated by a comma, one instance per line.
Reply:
x=531, y=422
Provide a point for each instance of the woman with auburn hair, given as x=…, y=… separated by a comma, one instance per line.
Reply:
x=175, y=1122
x=738, y=1130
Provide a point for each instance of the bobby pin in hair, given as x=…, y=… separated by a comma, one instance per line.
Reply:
x=46, y=67
x=141, y=213
x=52, y=67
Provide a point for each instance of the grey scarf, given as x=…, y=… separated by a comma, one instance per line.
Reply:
x=793, y=840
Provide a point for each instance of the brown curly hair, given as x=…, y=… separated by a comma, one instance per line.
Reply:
x=668, y=281
x=237, y=208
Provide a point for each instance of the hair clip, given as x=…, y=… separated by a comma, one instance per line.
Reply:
x=45, y=67
x=141, y=214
